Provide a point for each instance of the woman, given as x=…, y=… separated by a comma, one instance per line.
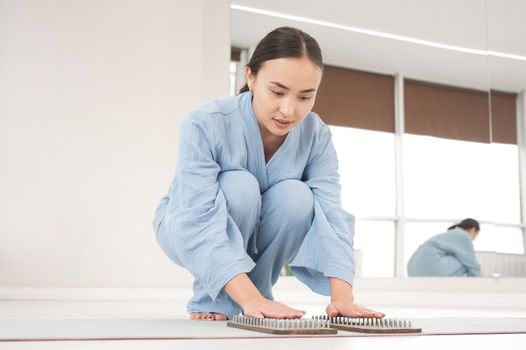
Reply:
x=448, y=254
x=256, y=188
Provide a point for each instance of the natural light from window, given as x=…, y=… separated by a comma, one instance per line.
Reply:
x=367, y=176
x=366, y=161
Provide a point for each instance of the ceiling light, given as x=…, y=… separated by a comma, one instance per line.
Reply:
x=377, y=33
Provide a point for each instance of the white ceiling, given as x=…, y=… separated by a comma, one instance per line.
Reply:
x=475, y=24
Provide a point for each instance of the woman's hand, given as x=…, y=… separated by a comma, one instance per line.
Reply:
x=246, y=295
x=342, y=302
x=262, y=307
x=348, y=308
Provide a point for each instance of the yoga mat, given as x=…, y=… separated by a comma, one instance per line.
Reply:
x=144, y=329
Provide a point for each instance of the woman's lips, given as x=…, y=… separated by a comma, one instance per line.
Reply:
x=283, y=124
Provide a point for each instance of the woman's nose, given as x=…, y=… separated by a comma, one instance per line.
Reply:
x=287, y=107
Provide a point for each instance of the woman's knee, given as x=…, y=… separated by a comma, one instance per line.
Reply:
x=166, y=245
x=241, y=190
x=292, y=199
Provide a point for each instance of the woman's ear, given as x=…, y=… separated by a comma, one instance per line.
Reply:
x=249, y=77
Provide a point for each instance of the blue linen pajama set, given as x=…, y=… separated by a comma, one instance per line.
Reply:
x=229, y=212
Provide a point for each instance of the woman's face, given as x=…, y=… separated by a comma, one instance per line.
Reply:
x=473, y=233
x=284, y=91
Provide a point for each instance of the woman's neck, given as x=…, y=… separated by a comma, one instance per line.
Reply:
x=271, y=143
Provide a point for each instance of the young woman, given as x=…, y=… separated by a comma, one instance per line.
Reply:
x=256, y=188
x=448, y=254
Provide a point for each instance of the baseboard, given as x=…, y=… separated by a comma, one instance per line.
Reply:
x=506, y=293
x=94, y=294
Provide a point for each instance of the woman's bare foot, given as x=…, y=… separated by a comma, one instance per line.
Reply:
x=207, y=316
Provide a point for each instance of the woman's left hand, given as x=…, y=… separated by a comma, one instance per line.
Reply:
x=350, y=309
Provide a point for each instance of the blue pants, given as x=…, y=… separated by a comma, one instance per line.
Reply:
x=272, y=225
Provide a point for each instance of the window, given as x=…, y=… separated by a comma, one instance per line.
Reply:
x=500, y=239
x=367, y=172
x=505, y=192
x=447, y=178
x=232, y=75
x=236, y=61
x=374, y=241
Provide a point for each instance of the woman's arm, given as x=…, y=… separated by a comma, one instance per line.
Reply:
x=197, y=217
x=464, y=251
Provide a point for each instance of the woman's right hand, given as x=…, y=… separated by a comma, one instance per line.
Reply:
x=245, y=294
x=262, y=307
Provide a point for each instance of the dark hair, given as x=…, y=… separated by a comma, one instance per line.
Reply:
x=467, y=224
x=284, y=42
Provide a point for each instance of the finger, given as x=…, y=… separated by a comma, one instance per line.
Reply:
x=278, y=310
x=220, y=317
x=258, y=314
x=270, y=314
x=281, y=312
x=354, y=313
x=351, y=312
x=331, y=311
x=378, y=314
x=295, y=313
x=370, y=313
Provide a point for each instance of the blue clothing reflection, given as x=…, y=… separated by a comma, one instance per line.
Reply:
x=447, y=254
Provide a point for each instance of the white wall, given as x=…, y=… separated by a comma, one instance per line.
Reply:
x=91, y=96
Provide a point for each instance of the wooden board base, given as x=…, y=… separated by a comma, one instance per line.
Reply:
x=282, y=330
x=364, y=329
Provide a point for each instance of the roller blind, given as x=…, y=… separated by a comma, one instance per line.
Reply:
x=446, y=111
x=235, y=54
x=356, y=99
x=503, y=117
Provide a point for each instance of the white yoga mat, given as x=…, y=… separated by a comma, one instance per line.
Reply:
x=56, y=330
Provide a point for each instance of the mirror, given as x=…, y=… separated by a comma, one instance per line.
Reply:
x=414, y=130
x=502, y=249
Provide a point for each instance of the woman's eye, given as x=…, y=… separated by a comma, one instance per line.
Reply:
x=304, y=98
x=276, y=93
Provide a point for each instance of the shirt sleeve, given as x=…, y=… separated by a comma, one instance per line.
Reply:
x=197, y=220
x=327, y=250
x=463, y=250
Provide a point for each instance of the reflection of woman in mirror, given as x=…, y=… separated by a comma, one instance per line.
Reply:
x=448, y=254
x=256, y=188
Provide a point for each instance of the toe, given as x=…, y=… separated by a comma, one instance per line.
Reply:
x=207, y=316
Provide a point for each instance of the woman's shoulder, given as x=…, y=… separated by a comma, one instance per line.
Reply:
x=313, y=125
x=214, y=109
x=457, y=234
x=313, y=121
x=313, y=128
x=217, y=120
